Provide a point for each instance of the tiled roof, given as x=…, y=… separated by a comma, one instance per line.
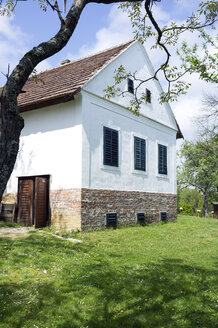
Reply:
x=60, y=84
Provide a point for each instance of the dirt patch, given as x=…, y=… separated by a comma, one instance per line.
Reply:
x=14, y=233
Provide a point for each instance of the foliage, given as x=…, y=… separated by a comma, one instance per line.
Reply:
x=155, y=276
x=201, y=59
x=190, y=200
x=199, y=168
x=186, y=208
x=207, y=122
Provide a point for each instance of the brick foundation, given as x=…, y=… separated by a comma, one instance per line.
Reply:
x=95, y=204
x=65, y=207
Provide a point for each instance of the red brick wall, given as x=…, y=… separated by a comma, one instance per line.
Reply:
x=97, y=203
x=66, y=208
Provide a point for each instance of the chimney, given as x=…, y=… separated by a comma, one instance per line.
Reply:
x=65, y=61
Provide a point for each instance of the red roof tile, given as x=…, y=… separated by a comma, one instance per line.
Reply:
x=60, y=84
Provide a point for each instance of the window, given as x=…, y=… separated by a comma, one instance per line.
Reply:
x=163, y=216
x=111, y=220
x=130, y=85
x=148, y=96
x=141, y=218
x=162, y=159
x=110, y=156
x=139, y=154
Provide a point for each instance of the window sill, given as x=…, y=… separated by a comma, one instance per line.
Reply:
x=110, y=168
x=163, y=176
x=140, y=172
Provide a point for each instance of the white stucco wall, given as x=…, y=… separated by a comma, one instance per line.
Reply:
x=51, y=143
x=65, y=141
x=135, y=60
x=97, y=113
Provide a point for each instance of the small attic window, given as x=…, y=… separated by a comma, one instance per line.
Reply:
x=130, y=86
x=148, y=95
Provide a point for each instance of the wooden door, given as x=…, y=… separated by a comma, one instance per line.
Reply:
x=41, y=202
x=25, y=200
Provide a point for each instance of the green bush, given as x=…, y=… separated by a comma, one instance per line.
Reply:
x=187, y=209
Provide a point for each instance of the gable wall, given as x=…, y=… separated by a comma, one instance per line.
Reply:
x=97, y=113
x=51, y=144
x=134, y=60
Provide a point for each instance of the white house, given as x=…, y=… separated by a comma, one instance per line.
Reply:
x=86, y=162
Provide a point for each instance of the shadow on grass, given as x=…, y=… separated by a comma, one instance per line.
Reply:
x=93, y=293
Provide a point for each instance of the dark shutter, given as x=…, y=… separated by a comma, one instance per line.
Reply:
x=110, y=147
x=163, y=216
x=130, y=85
x=148, y=96
x=141, y=218
x=111, y=220
x=162, y=159
x=139, y=154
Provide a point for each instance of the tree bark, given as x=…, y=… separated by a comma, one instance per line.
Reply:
x=206, y=202
x=11, y=123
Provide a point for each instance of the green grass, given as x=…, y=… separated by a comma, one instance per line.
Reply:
x=4, y=224
x=161, y=276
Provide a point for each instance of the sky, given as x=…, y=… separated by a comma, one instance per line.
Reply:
x=100, y=27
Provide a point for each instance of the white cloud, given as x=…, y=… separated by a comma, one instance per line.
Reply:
x=13, y=44
x=44, y=65
x=117, y=30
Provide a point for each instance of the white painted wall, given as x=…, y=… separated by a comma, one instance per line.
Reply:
x=66, y=140
x=97, y=113
x=135, y=60
x=51, y=143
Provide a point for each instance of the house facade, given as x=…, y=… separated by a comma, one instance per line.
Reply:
x=86, y=162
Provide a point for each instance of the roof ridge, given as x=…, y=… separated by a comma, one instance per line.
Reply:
x=85, y=57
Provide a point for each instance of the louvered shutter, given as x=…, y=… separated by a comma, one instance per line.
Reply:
x=162, y=159
x=139, y=153
x=111, y=147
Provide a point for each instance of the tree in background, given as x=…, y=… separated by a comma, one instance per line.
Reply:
x=207, y=122
x=199, y=166
x=190, y=200
x=145, y=25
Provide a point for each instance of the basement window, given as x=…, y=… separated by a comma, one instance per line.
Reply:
x=130, y=86
x=163, y=216
x=111, y=220
x=141, y=218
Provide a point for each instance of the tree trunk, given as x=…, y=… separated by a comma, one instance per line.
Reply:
x=205, y=202
x=11, y=125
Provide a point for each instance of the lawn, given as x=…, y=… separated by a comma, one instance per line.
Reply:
x=159, y=276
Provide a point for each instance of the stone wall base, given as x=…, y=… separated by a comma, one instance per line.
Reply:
x=95, y=204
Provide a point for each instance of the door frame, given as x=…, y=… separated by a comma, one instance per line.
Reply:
x=48, y=210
